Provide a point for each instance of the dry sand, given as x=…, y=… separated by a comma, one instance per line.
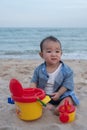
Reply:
x=23, y=70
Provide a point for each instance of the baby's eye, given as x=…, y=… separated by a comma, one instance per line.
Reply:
x=57, y=51
x=49, y=51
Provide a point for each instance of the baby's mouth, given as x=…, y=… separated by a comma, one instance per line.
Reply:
x=53, y=59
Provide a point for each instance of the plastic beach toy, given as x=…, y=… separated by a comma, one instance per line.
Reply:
x=14, y=86
x=67, y=112
x=28, y=101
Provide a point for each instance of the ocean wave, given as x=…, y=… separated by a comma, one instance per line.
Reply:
x=27, y=52
x=24, y=42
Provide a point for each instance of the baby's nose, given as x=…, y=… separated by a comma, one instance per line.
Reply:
x=53, y=53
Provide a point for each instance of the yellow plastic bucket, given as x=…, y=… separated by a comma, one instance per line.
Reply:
x=28, y=101
x=28, y=111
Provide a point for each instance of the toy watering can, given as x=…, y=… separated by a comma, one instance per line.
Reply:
x=67, y=112
x=28, y=101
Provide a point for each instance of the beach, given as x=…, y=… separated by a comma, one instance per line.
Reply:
x=23, y=71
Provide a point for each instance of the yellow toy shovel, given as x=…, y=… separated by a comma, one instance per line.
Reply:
x=44, y=101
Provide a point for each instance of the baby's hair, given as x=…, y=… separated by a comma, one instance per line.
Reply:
x=50, y=38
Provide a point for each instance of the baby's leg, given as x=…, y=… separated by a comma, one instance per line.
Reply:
x=50, y=106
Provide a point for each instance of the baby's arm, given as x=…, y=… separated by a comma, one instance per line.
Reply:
x=68, y=84
x=62, y=90
x=56, y=95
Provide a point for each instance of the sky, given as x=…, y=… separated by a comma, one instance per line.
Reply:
x=43, y=13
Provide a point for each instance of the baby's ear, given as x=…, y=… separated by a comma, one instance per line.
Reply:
x=41, y=54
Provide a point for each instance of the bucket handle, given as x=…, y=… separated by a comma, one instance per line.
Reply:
x=38, y=99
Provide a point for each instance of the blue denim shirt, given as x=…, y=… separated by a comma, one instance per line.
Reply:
x=64, y=78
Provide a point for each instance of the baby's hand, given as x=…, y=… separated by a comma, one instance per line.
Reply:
x=55, y=96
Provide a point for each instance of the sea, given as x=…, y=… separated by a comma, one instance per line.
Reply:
x=23, y=43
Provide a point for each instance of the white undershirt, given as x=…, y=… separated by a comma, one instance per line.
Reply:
x=51, y=80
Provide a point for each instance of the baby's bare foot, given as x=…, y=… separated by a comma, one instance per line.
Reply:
x=56, y=112
x=50, y=107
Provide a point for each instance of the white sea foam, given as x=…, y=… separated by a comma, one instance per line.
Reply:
x=23, y=43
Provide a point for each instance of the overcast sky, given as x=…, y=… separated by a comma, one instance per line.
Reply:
x=43, y=13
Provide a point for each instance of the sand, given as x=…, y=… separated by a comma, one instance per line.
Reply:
x=23, y=70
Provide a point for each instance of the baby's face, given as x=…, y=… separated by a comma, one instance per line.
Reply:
x=51, y=52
